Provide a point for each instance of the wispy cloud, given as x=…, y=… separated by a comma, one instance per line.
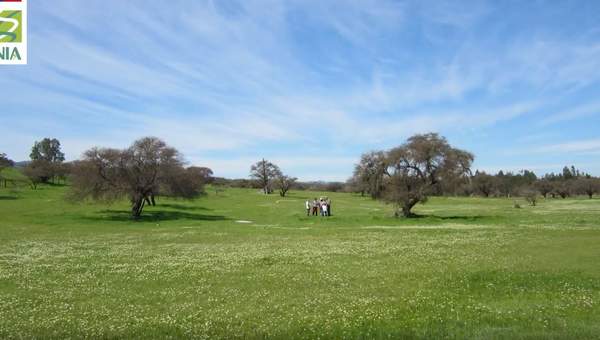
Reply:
x=589, y=146
x=577, y=112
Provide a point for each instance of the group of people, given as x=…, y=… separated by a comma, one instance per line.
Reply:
x=318, y=207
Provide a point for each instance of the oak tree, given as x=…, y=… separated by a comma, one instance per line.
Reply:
x=418, y=166
x=146, y=169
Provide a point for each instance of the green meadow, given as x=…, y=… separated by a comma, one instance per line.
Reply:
x=239, y=264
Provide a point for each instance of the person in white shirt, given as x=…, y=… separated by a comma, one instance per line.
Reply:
x=308, y=206
x=324, y=209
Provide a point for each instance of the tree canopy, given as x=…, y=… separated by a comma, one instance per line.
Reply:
x=146, y=169
x=265, y=173
x=369, y=174
x=408, y=174
x=284, y=183
x=416, y=167
x=47, y=150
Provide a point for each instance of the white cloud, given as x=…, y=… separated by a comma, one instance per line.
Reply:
x=589, y=146
x=577, y=112
x=241, y=80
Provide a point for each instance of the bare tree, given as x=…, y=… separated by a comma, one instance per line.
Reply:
x=563, y=188
x=205, y=174
x=420, y=164
x=146, y=169
x=264, y=172
x=61, y=171
x=284, y=184
x=484, y=184
x=544, y=186
x=369, y=174
x=530, y=194
x=587, y=186
x=37, y=172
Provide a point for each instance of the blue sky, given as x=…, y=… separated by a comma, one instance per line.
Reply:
x=311, y=84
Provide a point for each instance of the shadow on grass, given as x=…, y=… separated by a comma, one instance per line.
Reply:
x=153, y=216
x=181, y=206
x=8, y=198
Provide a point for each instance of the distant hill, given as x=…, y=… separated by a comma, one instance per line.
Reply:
x=12, y=174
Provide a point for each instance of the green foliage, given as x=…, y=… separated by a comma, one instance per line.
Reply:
x=47, y=150
x=467, y=268
x=5, y=161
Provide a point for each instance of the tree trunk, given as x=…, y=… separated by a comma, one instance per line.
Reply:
x=137, y=207
x=406, y=209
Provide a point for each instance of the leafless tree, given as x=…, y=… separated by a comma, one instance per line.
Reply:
x=37, y=172
x=265, y=172
x=420, y=164
x=587, y=186
x=563, y=188
x=147, y=169
x=544, y=186
x=284, y=183
x=484, y=184
x=530, y=194
x=205, y=174
x=369, y=174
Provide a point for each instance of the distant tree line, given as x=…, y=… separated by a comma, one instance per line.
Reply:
x=425, y=165
x=571, y=182
x=296, y=185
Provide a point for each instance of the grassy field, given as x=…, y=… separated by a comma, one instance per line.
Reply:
x=470, y=268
